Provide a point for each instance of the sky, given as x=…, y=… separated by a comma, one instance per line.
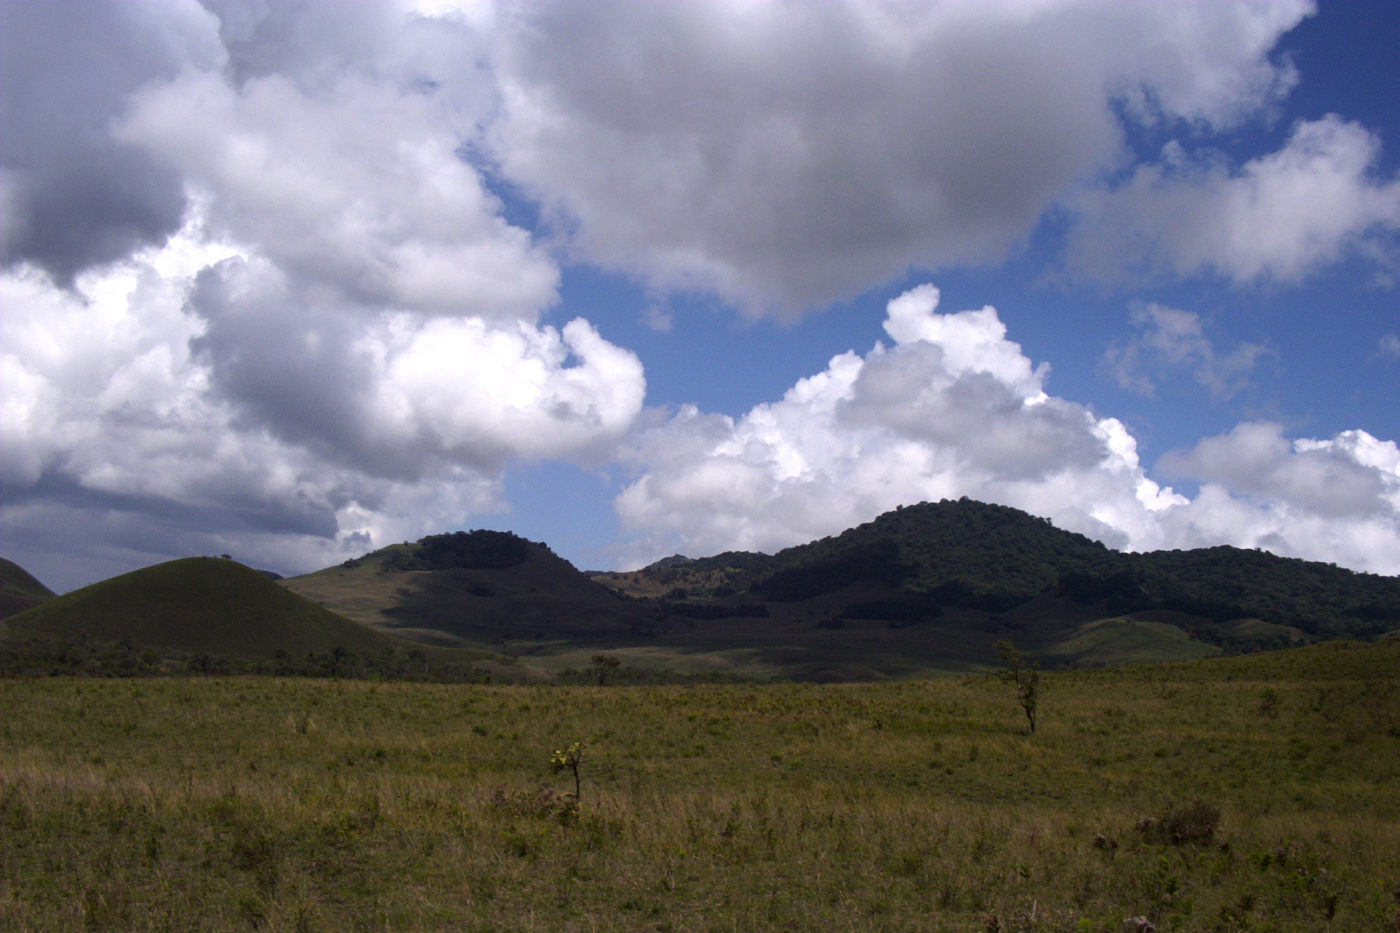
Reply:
x=292, y=281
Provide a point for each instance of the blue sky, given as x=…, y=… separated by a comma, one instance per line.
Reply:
x=291, y=281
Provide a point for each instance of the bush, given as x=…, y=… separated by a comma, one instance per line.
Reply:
x=1194, y=824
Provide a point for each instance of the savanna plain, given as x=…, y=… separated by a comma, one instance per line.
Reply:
x=1245, y=793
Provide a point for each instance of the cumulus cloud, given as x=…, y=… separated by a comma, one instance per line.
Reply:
x=1334, y=499
x=1279, y=217
x=953, y=408
x=262, y=293
x=338, y=338
x=1352, y=475
x=395, y=393
x=356, y=188
x=135, y=404
x=1170, y=339
x=71, y=195
x=790, y=154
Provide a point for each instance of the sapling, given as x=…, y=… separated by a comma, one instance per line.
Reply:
x=1025, y=677
x=569, y=759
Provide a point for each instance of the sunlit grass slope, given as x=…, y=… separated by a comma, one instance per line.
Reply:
x=536, y=596
x=197, y=604
x=1128, y=641
x=1251, y=793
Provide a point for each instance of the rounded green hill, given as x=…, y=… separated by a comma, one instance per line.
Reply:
x=197, y=604
x=19, y=590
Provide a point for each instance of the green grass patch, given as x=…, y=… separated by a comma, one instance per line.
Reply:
x=1128, y=641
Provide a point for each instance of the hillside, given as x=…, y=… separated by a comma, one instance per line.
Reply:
x=484, y=589
x=964, y=573
x=922, y=590
x=196, y=605
x=19, y=590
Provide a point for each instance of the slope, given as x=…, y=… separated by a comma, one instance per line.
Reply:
x=485, y=589
x=925, y=588
x=19, y=590
x=196, y=604
x=952, y=577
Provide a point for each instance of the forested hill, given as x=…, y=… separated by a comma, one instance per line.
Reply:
x=973, y=555
x=987, y=553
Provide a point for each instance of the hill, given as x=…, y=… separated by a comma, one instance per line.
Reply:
x=484, y=589
x=19, y=590
x=196, y=605
x=921, y=590
x=972, y=555
x=964, y=573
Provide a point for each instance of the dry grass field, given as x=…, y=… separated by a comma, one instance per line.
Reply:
x=1254, y=793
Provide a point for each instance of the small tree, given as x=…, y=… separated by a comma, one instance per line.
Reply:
x=604, y=664
x=569, y=759
x=1025, y=676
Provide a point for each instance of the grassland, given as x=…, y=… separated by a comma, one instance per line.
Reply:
x=259, y=803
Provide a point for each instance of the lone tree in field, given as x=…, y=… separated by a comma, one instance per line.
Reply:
x=569, y=759
x=1025, y=676
x=603, y=665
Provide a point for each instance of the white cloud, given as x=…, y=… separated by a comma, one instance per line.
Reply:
x=1170, y=339
x=192, y=400
x=1335, y=500
x=951, y=409
x=357, y=189
x=955, y=409
x=1279, y=217
x=72, y=195
x=347, y=340
x=395, y=394
x=1350, y=476
x=789, y=154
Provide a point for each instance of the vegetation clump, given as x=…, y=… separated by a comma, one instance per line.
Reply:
x=1193, y=824
x=570, y=759
x=465, y=550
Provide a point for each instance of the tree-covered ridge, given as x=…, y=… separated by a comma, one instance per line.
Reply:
x=465, y=550
x=973, y=555
x=971, y=550
x=723, y=575
x=1229, y=583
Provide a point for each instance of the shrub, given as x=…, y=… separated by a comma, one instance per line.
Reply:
x=1194, y=824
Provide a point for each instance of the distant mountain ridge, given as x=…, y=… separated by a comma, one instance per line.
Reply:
x=932, y=584
x=918, y=562
x=921, y=589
